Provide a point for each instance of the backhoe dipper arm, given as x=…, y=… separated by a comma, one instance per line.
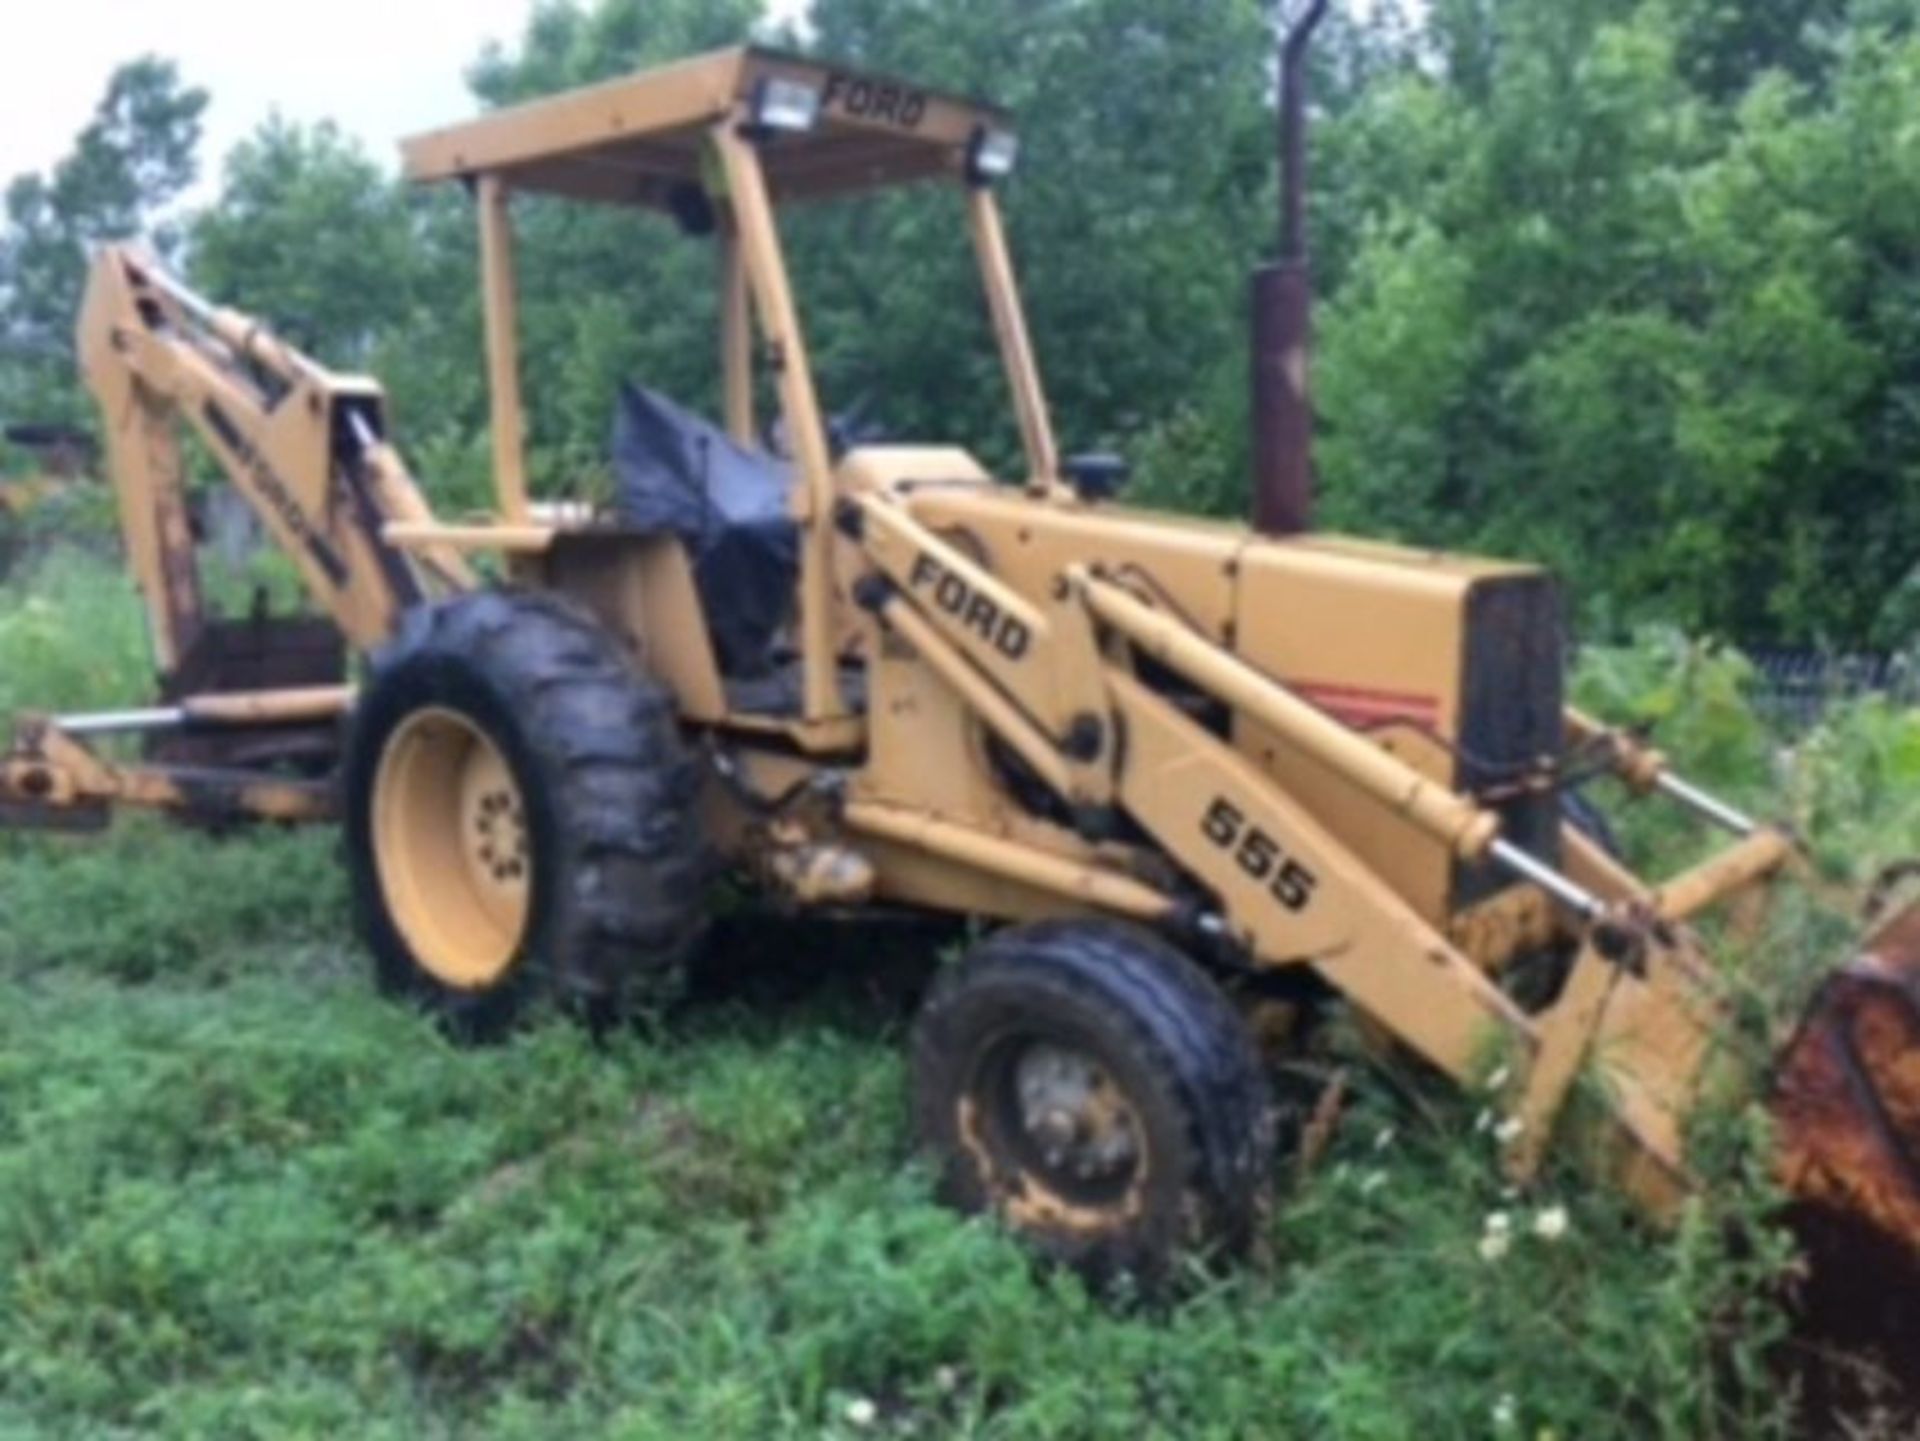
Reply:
x=302, y=444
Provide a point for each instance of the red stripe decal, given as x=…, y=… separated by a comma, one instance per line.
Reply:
x=1360, y=705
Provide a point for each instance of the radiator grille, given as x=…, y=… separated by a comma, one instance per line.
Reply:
x=1511, y=712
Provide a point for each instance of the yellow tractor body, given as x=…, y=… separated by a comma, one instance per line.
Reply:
x=1194, y=770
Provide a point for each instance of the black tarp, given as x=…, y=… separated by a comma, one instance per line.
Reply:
x=677, y=473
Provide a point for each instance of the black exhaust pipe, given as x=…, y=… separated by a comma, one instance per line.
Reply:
x=1282, y=318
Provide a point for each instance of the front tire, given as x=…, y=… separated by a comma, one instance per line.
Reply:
x=520, y=817
x=1090, y=1086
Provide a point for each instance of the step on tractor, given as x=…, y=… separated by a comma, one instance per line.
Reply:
x=1193, y=781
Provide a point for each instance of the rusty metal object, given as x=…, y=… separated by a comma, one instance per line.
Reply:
x=1846, y=1105
x=1847, y=1094
x=52, y=780
x=1317, y=1135
x=815, y=872
x=255, y=654
x=81, y=818
x=1282, y=318
x=1282, y=410
x=62, y=452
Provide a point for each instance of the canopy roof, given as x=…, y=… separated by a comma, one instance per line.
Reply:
x=634, y=140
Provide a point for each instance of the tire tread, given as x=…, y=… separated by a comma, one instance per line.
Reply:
x=627, y=909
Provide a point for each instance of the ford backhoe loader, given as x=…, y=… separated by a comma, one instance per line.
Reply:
x=1178, y=771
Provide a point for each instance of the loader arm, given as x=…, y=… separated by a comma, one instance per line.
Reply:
x=1288, y=891
x=303, y=445
x=1640, y=1005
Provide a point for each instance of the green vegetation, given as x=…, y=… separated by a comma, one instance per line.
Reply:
x=241, y=1195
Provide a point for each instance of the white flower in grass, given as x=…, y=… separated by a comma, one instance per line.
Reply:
x=1551, y=1224
x=862, y=1412
x=1506, y=1412
x=1508, y=1131
x=1374, y=1181
x=1384, y=1139
x=1482, y=1122
x=1499, y=1079
x=1497, y=1239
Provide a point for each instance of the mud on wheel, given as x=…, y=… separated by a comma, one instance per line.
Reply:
x=1089, y=1085
x=520, y=816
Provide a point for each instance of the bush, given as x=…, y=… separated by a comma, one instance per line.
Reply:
x=151, y=900
x=72, y=637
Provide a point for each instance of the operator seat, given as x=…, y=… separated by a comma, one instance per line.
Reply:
x=679, y=474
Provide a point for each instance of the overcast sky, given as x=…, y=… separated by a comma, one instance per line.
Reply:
x=382, y=68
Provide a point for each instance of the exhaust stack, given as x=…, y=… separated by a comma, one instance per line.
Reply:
x=1282, y=318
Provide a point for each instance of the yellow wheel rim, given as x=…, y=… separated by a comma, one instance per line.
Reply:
x=450, y=846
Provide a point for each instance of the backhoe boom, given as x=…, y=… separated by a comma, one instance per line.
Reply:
x=302, y=444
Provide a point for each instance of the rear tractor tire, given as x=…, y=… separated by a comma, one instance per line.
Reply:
x=1090, y=1086
x=520, y=817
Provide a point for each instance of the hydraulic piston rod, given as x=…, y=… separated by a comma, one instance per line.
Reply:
x=1458, y=822
x=228, y=708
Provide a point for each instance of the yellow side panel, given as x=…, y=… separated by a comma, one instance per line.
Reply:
x=1377, y=643
x=1375, y=634
x=642, y=587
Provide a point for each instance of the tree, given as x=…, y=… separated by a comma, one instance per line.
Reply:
x=362, y=273
x=1626, y=286
x=133, y=159
x=1141, y=196
x=1648, y=323
x=310, y=236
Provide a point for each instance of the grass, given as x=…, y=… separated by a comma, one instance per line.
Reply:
x=242, y=1196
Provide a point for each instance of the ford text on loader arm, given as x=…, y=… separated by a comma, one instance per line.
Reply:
x=1186, y=770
